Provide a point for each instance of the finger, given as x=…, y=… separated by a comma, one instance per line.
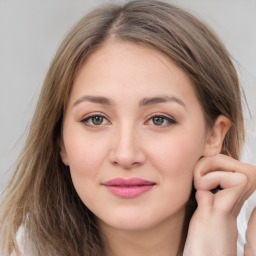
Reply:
x=219, y=178
x=227, y=164
x=204, y=198
x=229, y=198
x=213, y=163
x=250, y=246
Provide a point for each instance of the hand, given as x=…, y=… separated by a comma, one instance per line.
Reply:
x=212, y=229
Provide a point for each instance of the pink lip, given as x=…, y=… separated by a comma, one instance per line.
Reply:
x=128, y=188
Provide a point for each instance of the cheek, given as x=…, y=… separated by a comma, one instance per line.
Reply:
x=175, y=160
x=85, y=160
x=176, y=156
x=85, y=154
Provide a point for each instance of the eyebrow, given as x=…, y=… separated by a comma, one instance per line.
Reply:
x=95, y=99
x=161, y=99
x=142, y=103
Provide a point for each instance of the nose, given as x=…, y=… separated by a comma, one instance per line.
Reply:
x=127, y=149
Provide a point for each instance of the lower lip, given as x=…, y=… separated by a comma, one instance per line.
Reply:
x=129, y=191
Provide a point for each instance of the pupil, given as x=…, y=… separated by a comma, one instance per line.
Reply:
x=97, y=120
x=158, y=120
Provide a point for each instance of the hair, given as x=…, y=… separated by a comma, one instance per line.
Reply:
x=40, y=196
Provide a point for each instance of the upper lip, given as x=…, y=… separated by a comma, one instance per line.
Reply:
x=122, y=182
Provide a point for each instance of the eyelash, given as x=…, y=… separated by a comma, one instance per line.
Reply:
x=88, y=120
x=168, y=120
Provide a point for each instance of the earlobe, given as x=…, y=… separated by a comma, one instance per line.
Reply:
x=63, y=153
x=216, y=135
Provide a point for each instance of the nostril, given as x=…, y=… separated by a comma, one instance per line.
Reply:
x=135, y=164
x=126, y=165
x=115, y=163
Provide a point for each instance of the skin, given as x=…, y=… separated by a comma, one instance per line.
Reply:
x=218, y=212
x=128, y=142
x=250, y=246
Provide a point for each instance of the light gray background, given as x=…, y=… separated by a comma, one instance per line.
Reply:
x=30, y=32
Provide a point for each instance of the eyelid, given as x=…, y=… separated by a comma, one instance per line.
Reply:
x=94, y=114
x=170, y=120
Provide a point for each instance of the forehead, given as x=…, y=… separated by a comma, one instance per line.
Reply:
x=118, y=67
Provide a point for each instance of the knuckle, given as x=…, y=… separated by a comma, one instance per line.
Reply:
x=197, y=184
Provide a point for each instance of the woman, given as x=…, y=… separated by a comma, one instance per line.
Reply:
x=136, y=113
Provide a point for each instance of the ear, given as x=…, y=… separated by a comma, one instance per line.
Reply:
x=63, y=153
x=216, y=135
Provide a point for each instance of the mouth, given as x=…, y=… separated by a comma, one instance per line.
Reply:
x=128, y=188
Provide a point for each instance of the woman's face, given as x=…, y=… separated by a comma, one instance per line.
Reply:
x=132, y=134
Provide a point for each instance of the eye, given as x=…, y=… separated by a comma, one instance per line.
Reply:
x=161, y=120
x=95, y=120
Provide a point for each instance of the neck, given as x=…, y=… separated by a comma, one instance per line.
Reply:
x=162, y=239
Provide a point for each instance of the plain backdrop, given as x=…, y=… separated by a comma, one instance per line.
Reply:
x=31, y=30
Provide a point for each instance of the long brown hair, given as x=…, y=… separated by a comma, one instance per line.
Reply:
x=40, y=196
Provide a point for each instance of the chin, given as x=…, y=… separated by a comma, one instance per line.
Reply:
x=129, y=224
x=133, y=220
